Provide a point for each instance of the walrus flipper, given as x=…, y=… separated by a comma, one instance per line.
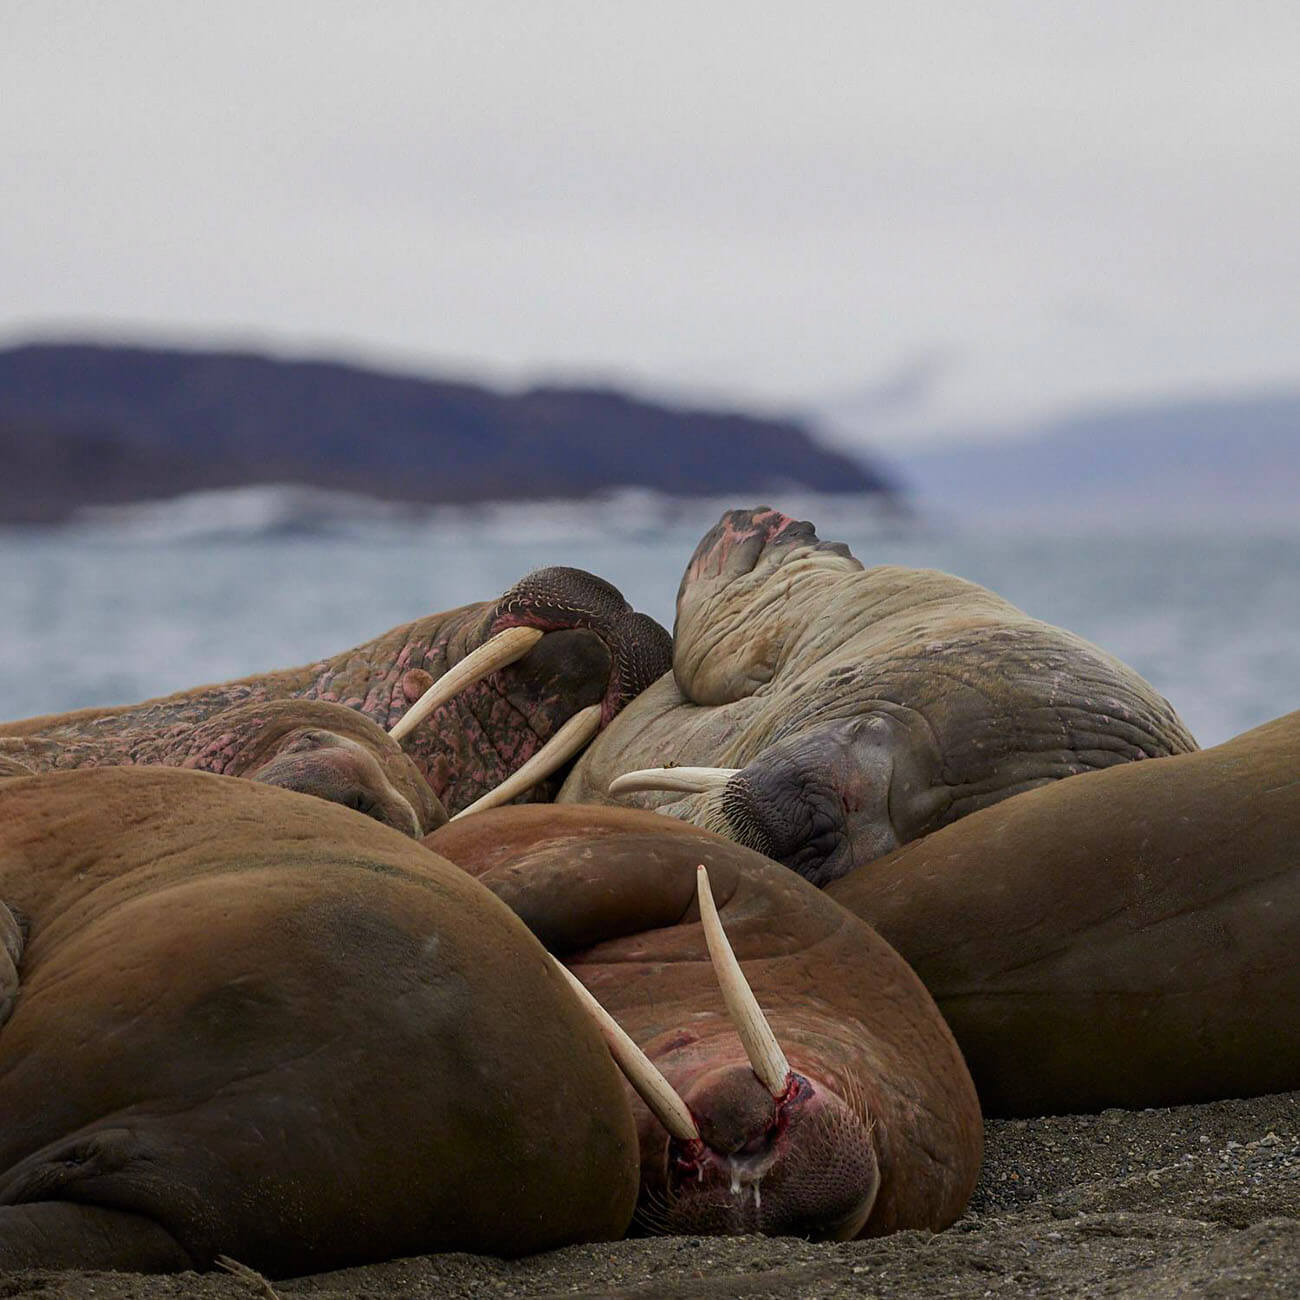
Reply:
x=12, y=936
x=60, y=1234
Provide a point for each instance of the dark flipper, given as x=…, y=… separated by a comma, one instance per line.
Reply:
x=59, y=1234
x=12, y=935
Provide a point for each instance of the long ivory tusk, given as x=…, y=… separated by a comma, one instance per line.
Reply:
x=641, y=1072
x=562, y=746
x=764, y=1052
x=502, y=649
x=690, y=780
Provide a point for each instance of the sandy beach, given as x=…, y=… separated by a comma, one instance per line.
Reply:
x=1193, y=1201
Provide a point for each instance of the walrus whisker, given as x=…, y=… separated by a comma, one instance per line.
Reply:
x=765, y=1055
x=639, y=1070
x=251, y=1276
x=688, y=780
x=502, y=649
x=653, y=1216
x=570, y=739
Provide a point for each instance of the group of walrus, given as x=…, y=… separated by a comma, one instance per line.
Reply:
x=855, y=857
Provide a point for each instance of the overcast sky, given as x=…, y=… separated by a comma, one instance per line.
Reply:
x=964, y=213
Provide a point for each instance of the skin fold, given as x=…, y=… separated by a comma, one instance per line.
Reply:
x=881, y=1128
x=596, y=650
x=251, y=1024
x=1127, y=939
x=862, y=708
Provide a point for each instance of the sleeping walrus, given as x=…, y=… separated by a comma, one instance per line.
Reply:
x=235, y=1021
x=844, y=711
x=552, y=660
x=315, y=748
x=836, y=1106
x=1124, y=938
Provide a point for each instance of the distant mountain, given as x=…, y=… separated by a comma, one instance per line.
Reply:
x=89, y=425
x=1177, y=461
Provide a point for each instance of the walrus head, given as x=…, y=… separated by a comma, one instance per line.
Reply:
x=745, y=1142
x=832, y=1104
x=798, y=1165
x=844, y=711
x=320, y=749
x=540, y=672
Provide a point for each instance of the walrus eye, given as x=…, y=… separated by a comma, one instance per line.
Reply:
x=306, y=741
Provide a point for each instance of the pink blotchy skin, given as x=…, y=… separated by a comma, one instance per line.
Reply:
x=878, y=1128
x=766, y=525
x=596, y=651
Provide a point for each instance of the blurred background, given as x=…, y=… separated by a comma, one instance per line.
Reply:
x=317, y=317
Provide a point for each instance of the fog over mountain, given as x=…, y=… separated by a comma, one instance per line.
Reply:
x=1212, y=461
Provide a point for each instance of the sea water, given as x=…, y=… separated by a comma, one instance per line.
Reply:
x=112, y=615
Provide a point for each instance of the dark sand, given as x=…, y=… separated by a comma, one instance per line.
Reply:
x=1196, y=1201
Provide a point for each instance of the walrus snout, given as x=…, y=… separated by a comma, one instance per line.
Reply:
x=802, y=1164
x=817, y=802
x=558, y=599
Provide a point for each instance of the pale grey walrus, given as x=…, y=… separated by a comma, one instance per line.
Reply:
x=1124, y=938
x=852, y=710
x=241, y=1022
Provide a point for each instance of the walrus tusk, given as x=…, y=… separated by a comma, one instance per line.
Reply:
x=569, y=740
x=764, y=1052
x=502, y=649
x=639, y=1070
x=690, y=780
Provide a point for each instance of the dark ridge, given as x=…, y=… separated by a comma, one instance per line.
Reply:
x=84, y=424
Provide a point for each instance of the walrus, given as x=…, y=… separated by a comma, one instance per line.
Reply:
x=253, y=1024
x=552, y=660
x=824, y=714
x=315, y=748
x=1124, y=938
x=857, y=1118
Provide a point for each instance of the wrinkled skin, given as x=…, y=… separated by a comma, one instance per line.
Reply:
x=880, y=1127
x=596, y=651
x=252, y=1024
x=1125, y=939
x=864, y=707
x=314, y=748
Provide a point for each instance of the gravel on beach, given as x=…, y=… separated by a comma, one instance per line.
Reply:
x=1192, y=1201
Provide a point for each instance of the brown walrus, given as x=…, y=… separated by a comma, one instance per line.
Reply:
x=572, y=653
x=843, y=711
x=1123, y=938
x=315, y=748
x=867, y=1124
x=258, y=1025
